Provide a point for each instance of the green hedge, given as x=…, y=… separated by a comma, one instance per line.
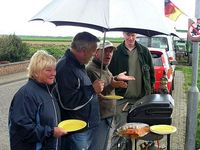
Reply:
x=55, y=50
x=12, y=49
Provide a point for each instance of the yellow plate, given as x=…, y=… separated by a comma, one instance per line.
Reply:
x=113, y=97
x=163, y=129
x=72, y=125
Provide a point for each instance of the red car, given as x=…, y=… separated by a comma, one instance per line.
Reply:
x=164, y=78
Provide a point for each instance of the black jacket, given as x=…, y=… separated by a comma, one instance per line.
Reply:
x=33, y=114
x=119, y=64
x=77, y=96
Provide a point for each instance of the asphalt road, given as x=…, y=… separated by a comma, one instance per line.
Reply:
x=10, y=84
x=7, y=91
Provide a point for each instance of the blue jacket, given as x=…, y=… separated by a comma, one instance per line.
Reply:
x=33, y=114
x=77, y=96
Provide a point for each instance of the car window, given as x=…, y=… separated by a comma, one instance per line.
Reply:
x=159, y=42
x=156, y=42
x=157, y=60
x=143, y=41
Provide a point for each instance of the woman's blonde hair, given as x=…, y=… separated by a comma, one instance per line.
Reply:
x=39, y=61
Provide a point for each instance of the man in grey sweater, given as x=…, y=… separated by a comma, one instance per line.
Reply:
x=107, y=107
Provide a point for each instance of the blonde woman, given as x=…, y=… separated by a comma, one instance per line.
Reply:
x=34, y=112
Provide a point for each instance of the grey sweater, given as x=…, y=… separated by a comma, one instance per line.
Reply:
x=107, y=107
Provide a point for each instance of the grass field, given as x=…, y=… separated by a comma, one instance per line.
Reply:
x=60, y=39
x=46, y=38
x=54, y=45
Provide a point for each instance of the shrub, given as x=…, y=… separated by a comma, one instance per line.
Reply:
x=12, y=49
x=57, y=53
x=56, y=50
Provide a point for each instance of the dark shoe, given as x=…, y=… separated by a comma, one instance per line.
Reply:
x=150, y=146
x=155, y=147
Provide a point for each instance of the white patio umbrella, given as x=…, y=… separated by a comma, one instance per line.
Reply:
x=139, y=16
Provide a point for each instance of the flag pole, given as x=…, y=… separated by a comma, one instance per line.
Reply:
x=193, y=94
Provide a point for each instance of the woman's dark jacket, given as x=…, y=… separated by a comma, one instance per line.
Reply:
x=120, y=63
x=77, y=96
x=33, y=114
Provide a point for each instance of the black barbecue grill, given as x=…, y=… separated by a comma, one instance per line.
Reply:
x=152, y=109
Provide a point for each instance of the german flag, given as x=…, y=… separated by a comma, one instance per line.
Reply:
x=172, y=11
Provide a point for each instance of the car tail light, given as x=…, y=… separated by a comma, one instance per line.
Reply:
x=170, y=70
x=171, y=59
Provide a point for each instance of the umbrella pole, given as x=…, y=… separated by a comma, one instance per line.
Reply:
x=102, y=54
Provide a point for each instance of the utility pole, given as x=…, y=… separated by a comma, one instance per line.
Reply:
x=193, y=94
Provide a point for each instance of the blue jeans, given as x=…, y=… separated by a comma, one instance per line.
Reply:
x=78, y=141
x=101, y=135
x=117, y=142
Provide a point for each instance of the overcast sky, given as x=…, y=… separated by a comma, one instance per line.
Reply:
x=15, y=16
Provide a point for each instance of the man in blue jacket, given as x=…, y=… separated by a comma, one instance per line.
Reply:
x=78, y=96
